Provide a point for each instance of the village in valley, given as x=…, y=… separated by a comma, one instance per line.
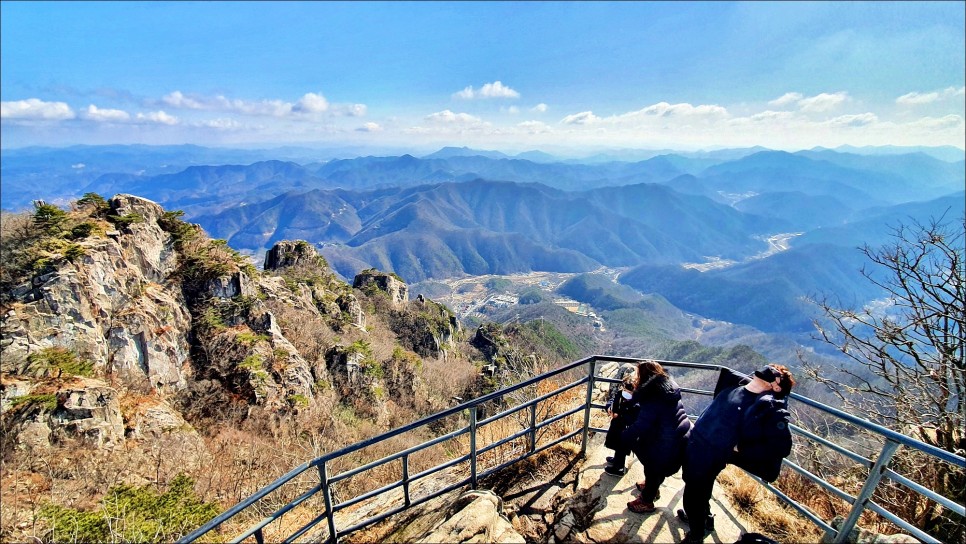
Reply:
x=478, y=296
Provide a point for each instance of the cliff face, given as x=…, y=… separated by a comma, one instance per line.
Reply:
x=116, y=305
x=122, y=326
x=144, y=317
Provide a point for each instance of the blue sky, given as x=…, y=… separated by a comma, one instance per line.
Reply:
x=496, y=75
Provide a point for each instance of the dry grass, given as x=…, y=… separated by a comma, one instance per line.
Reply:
x=764, y=510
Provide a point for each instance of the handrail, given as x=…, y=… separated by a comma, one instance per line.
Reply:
x=878, y=467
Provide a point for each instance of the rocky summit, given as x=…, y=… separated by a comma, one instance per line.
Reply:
x=136, y=350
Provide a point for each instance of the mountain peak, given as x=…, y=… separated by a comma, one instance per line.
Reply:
x=449, y=151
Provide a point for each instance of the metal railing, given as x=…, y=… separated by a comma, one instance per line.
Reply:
x=320, y=480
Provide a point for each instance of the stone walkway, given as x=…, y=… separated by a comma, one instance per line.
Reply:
x=613, y=522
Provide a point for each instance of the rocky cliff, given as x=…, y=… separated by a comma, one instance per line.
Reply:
x=135, y=351
x=125, y=330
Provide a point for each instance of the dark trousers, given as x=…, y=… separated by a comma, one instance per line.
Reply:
x=700, y=472
x=619, y=458
x=653, y=478
x=697, y=499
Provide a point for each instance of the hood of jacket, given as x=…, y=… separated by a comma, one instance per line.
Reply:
x=658, y=386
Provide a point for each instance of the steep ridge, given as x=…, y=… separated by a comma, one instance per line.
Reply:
x=799, y=210
x=614, y=227
x=136, y=349
x=370, y=172
x=769, y=294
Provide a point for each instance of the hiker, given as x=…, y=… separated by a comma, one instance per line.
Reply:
x=715, y=437
x=622, y=411
x=658, y=435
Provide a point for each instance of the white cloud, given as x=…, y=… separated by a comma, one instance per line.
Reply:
x=786, y=99
x=311, y=103
x=512, y=110
x=223, y=123
x=78, y=166
x=539, y=108
x=819, y=103
x=370, y=127
x=822, y=102
x=497, y=90
x=350, y=110
x=663, y=109
x=34, y=108
x=272, y=108
x=448, y=117
x=769, y=115
x=159, y=117
x=945, y=122
x=860, y=120
x=916, y=98
x=489, y=90
x=534, y=127
x=582, y=118
x=106, y=115
x=308, y=105
x=178, y=100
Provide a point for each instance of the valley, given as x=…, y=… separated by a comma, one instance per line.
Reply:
x=470, y=297
x=776, y=244
x=481, y=231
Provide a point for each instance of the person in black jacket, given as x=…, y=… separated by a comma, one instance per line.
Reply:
x=659, y=434
x=622, y=410
x=714, y=439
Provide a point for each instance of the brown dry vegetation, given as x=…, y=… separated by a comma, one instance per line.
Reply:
x=767, y=513
x=241, y=446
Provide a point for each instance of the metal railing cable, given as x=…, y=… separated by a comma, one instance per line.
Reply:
x=445, y=478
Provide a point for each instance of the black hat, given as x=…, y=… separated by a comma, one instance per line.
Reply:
x=768, y=373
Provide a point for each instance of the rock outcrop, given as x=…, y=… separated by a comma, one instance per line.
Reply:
x=115, y=306
x=289, y=253
x=152, y=306
x=477, y=516
x=130, y=337
x=392, y=285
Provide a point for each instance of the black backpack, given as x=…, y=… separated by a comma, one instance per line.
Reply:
x=765, y=439
x=755, y=538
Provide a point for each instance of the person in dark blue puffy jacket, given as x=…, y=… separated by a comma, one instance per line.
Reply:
x=714, y=439
x=659, y=434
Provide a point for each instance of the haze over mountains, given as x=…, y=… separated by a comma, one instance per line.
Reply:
x=460, y=211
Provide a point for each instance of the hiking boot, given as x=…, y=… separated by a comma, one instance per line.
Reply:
x=640, y=507
x=615, y=471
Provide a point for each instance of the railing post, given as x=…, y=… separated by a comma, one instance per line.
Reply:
x=591, y=372
x=327, y=495
x=405, y=478
x=533, y=427
x=868, y=488
x=473, y=447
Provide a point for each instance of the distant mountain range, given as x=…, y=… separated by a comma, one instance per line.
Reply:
x=461, y=211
